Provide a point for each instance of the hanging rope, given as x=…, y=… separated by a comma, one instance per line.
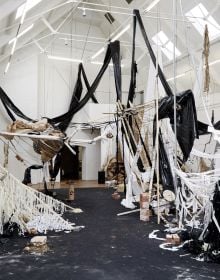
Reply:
x=206, y=47
x=6, y=152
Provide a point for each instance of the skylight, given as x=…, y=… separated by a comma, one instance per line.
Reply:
x=199, y=17
x=167, y=46
x=30, y=5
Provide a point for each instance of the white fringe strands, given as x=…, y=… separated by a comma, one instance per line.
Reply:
x=194, y=198
x=29, y=208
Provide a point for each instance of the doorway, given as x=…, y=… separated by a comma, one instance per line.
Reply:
x=71, y=165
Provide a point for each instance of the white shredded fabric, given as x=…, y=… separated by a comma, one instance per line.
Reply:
x=29, y=208
x=194, y=198
x=204, y=155
x=170, y=247
x=152, y=235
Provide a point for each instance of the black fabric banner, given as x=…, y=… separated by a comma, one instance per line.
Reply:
x=152, y=55
x=132, y=86
x=111, y=53
x=186, y=122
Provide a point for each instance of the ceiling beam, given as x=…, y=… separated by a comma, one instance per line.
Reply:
x=54, y=18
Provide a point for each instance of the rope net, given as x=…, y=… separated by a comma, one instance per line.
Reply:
x=29, y=208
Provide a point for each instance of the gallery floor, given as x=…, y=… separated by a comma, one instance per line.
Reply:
x=109, y=247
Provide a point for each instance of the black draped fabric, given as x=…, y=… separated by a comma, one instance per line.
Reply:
x=111, y=53
x=10, y=106
x=152, y=55
x=27, y=173
x=187, y=127
x=132, y=86
x=88, y=85
x=116, y=59
x=212, y=235
x=186, y=120
x=164, y=167
x=55, y=167
x=62, y=121
x=76, y=96
x=203, y=127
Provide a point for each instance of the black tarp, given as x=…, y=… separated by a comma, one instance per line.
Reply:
x=186, y=119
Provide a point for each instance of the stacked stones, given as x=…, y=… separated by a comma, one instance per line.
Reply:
x=144, y=207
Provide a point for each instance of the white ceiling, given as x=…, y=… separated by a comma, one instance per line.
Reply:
x=87, y=34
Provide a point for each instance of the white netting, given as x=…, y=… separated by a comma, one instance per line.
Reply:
x=29, y=208
x=194, y=197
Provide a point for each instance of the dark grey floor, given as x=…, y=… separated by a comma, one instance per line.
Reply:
x=109, y=247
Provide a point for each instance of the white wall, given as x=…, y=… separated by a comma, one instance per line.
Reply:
x=21, y=85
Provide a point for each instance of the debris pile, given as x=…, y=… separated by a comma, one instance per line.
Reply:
x=115, y=171
x=38, y=244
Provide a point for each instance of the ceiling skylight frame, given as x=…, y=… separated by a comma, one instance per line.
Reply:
x=30, y=5
x=199, y=16
x=166, y=45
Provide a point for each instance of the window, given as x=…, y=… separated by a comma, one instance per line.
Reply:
x=30, y=5
x=167, y=46
x=199, y=17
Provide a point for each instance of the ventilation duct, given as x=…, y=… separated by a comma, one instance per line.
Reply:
x=129, y=1
x=109, y=17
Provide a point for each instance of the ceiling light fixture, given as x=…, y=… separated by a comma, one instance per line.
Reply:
x=16, y=38
x=7, y=67
x=112, y=40
x=22, y=33
x=30, y=5
x=120, y=33
x=182, y=75
x=98, y=52
x=178, y=76
x=13, y=47
x=214, y=62
x=84, y=12
x=101, y=63
x=103, y=11
x=65, y=58
x=151, y=6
